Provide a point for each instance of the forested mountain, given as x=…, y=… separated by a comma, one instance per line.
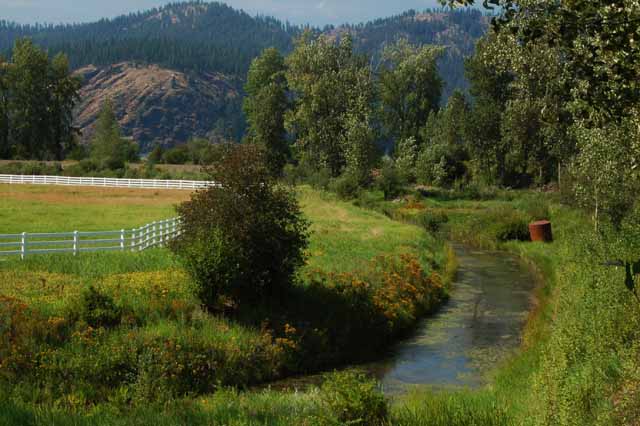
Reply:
x=200, y=39
x=194, y=36
x=457, y=31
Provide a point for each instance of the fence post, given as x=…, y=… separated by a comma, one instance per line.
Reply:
x=133, y=239
x=122, y=240
x=153, y=235
x=23, y=246
x=75, y=243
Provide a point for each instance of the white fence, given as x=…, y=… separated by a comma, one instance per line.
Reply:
x=105, y=182
x=152, y=235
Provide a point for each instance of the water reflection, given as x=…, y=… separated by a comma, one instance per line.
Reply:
x=474, y=331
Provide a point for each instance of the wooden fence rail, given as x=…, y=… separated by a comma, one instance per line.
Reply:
x=105, y=182
x=155, y=234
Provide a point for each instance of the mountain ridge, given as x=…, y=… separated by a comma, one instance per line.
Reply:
x=200, y=38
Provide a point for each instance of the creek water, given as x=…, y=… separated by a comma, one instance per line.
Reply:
x=473, y=332
x=477, y=329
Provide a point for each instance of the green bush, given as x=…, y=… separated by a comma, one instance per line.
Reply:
x=31, y=168
x=319, y=179
x=352, y=399
x=389, y=181
x=213, y=261
x=536, y=208
x=96, y=309
x=432, y=222
x=346, y=186
x=244, y=238
x=508, y=224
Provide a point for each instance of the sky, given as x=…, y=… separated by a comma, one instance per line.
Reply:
x=315, y=12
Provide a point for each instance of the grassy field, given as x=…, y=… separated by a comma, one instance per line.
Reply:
x=139, y=337
x=577, y=366
x=343, y=236
x=27, y=208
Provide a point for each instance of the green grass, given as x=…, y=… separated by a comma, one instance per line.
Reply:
x=27, y=208
x=577, y=365
x=166, y=346
x=578, y=362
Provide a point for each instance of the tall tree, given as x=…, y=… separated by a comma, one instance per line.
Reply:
x=108, y=148
x=30, y=101
x=37, y=96
x=410, y=88
x=4, y=109
x=332, y=88
x=64, y=95
x=265, y=107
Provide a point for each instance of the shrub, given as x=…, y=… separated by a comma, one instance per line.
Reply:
x=351, y=398
x=291, y=174
x=319, y=179
x=508, y=224
x=244, y=237
x=440, y=165
x=346, y=186
x=390, y=182
x=96, y=309
x=432, y=221
x=371, y=306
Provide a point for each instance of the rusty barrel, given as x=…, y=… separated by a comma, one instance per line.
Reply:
x=541, y=231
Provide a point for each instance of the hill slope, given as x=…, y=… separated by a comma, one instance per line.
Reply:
x=160, y=106
x=210, y=46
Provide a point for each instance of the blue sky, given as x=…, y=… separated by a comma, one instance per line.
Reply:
x=316, y=12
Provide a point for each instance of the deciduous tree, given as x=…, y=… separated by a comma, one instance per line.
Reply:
x=265, y=107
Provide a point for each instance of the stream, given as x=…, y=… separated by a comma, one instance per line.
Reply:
x=477, y=329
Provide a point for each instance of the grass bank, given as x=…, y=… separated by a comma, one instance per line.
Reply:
x=578, y=362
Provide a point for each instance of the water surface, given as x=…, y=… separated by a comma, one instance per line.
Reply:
x=480, y=325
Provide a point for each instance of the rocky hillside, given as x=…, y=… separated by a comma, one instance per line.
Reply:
x=205, y=41
x=157, y=105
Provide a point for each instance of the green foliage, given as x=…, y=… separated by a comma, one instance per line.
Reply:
x=213, y=261
x=410, y=88
x=440, y=165
x=265, y=107
x=347, y=186
x=108, y=149
x=607, y=169
x=390, y=180
x=251, y=220
x=352, y=399
x=96, y=309
x=406, y=156
x=332, y=112
x=432, y=221
x=33, y=85
x=442, y=156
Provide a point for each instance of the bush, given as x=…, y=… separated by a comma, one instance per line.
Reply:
x=432, y=221
x=319, y=179
x=351, y=398
x=389, y=181
x=508, y=224
x=536, y=208
x=346, y=186
x=440, y=165
x=96, y=309
x=245, y=237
